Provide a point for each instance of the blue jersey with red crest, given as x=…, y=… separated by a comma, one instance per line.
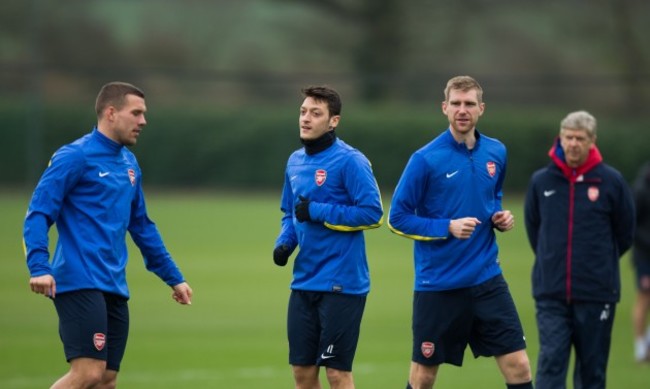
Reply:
x=345, y=200
x=445, y=180
x=92, y=191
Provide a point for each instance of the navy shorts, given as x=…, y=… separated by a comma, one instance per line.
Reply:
x=93, y=324
x=323, y=328
x=483, y=316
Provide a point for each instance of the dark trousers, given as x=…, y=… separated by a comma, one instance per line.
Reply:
x=587, y=326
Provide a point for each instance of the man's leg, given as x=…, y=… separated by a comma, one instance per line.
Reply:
x=109, y=380
x=441, y=327
x=422, y=376
x=342, y=316
x=83, y=328
x=303, y=329
x=555, y=337
x=640, y=311
x=592, y=339
x=83, y=373
x=515, y=368
x=306, y=377
x=339, y=379
x=639, y=320
x=118, y=334
x=497, y=331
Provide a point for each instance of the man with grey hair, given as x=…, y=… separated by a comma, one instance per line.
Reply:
x=579, y=215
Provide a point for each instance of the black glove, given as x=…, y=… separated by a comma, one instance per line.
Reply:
x=281, y=255
x=302, y=210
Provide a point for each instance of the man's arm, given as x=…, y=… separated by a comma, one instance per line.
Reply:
x=287, y=240
x=624, y=217
x=146, y=236
x=403, y=219
x=366, y=210
x=63, y=172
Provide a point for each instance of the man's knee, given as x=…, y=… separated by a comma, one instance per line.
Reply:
x=88, y=371
x=339, y=378
x=305, y=376
x=515, y=367
x=109, y=380
x=422, y=376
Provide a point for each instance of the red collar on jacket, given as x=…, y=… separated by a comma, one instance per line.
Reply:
x=572, y=174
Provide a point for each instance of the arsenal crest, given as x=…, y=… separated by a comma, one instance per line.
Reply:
x=593, y=193
x=99, y=340
x=491, y=168
x=132, y=176
x=427, y=349
x=320, y=176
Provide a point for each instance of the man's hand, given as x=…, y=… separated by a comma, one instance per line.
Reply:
x=182, y=293
x=463, y=228
x=281, y=255
x=44, y=285
x=503, y=220
x=302, y=210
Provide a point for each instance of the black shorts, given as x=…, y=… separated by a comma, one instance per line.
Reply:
x=483, y=316
x=93, y=324
x=323, y=328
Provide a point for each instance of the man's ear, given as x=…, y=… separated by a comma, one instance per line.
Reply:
x=334, y=121
x=109, y=113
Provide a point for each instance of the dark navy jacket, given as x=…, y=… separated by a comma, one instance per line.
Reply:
x=579, y=223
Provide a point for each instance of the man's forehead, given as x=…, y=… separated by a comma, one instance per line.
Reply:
x=574, y=131
x=311, y=103
x=459, y=94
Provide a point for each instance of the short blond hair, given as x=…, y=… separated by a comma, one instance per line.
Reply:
x=464, y=83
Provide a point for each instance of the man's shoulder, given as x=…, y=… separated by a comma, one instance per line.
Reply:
x=348, y=149
x=440, y=142
x=607, y=172
x=491, y=143
x=298, y=153
x=548, y=172
x=73, y=152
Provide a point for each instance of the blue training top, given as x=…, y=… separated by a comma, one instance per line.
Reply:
x=345, y=200
x=92, y=190
x=443, y=181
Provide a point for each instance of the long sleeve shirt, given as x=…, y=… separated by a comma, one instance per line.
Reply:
x=92, y=192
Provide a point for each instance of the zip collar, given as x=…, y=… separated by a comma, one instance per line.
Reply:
x=572, y=174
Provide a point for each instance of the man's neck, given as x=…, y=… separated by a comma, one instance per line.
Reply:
x=468, y=138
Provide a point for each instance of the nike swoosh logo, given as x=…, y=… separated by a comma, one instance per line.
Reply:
x=323, y=356
x=104, y=174
x=548, y=193
x=293, y=178
x=449, y=175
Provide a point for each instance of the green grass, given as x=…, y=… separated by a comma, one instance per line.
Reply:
x=233, y=335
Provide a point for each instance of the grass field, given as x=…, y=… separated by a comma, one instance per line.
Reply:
x=233, y=335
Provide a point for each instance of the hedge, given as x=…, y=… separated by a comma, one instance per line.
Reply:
x=247, y=147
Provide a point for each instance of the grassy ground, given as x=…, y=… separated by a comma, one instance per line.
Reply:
x=234, y=333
